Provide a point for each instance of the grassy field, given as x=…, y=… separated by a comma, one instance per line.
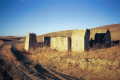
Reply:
x=101, y=64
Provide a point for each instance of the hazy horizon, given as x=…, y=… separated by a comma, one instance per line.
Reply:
x=18, y=17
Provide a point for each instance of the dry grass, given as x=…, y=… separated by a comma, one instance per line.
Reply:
x=101, y=64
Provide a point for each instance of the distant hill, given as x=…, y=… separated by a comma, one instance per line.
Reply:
x=114, y=29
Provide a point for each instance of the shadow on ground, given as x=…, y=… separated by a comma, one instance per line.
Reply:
x=38, y=70
x=4, y=75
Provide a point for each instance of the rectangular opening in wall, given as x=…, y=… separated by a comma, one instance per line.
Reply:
x=47, y=41
x=69, y=44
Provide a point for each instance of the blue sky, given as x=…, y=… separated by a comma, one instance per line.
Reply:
x=18, y=17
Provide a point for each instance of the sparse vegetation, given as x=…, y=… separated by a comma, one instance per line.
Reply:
x=100, y=64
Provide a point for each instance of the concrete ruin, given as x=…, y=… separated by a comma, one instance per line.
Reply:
x=47, y=41
x=94, y=31
x=60, y=43
x=77, y=42
x=101, y=39
x=30, y=41
x=80, y=40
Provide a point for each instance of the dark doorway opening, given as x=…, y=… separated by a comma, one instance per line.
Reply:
x=69, y=44
x=47, y=41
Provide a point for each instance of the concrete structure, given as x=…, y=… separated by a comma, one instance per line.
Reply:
x=103, y=39
x=94, y=31
x=30, y=41
x=47, y=41
x=77, y=42
x=61, y=43
x=80, y=40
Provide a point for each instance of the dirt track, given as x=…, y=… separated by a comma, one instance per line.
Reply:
x=21, y=68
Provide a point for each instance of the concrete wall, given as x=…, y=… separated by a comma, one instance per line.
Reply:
x=59, y=43
x=101, y=39
x=30, y=41
x=87, y=39
x=94, y=31
x=80, y=40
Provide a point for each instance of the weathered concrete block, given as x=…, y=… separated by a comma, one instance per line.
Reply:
x=30, y=41
x=101, y=39
x=60, y=43
x=80, y=40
